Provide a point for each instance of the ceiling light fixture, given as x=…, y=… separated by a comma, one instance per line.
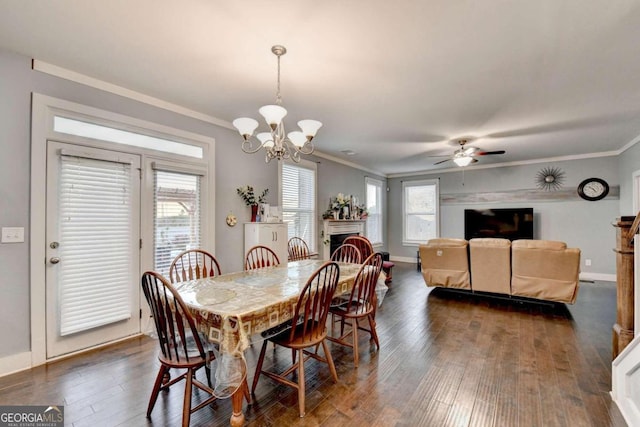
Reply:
x=462, y=159
x=276, y=143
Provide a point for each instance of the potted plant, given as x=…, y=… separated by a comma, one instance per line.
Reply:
x=247, y=194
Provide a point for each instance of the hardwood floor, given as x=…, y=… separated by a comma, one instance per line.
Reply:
x=446, y=359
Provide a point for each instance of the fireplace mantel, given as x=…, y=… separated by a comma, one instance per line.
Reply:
x=340, y=226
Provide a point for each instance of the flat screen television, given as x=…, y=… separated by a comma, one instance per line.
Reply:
x=509, y=223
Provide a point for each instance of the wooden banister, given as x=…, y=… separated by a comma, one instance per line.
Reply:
x=634, y=228
x=623, y=329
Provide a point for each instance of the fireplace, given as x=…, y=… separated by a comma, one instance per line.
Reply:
x=336, y=240
x=335, y=231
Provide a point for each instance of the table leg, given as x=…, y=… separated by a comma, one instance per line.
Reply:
x=237, y=417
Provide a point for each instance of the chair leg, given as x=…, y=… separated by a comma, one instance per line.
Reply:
x=354, y=327
x=156, y=388
x=301, y=388
x=372, y=328
x=256, y=376
x=327, y=355
x=245, y=391
x=186, y=406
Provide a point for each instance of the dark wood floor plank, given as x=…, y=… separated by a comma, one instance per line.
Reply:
x=446, y=358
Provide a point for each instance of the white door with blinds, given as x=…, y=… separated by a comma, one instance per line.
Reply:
x=177, y=212
x=92, y=247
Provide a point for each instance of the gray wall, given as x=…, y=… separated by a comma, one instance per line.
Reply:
x=334, y=178
x=581, y=224
x=629, y=163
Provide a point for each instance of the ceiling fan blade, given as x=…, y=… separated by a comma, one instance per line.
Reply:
x=441, y=161
x=488, y=153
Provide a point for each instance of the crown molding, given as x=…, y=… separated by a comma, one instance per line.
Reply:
x=508, y=164
x=83, y=79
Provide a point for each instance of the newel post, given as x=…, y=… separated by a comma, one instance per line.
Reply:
x=623, y=329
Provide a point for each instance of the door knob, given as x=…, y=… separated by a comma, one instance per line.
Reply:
x=54, y=260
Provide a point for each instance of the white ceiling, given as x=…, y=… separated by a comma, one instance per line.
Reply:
x=393, y=81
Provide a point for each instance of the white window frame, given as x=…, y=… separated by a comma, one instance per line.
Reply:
x=313, y=243
x=376, y=183
x=421, y=183
x=44, y=109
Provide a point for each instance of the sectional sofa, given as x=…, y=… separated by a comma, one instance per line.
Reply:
x=540, y=269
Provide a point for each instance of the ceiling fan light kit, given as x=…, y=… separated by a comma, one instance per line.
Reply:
x=276, y=143
x=465, y=156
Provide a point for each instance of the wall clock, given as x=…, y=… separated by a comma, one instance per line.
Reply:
x=593, y=189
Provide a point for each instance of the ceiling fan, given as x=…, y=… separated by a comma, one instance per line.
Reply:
x=465, y=156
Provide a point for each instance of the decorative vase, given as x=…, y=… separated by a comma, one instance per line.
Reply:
x=336, y=215
x=254, y=212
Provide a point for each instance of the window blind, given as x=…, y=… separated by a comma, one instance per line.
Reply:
x=299, y=201
x=420, y=211
x=374, y=209
x=177, y=216
x=95, y=227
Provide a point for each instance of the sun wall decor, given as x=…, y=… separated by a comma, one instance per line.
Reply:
x=550, y=179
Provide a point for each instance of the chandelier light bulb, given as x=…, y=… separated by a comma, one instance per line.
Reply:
x=309, y=127
x=298, y=138
x=266, y=139
x=273, y=114
x=245, y=126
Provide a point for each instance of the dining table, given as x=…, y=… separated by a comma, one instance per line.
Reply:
x=236, y=310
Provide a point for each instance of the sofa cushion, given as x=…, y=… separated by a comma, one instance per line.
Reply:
x=490, y=265
x=445, y=262
x=545, y=270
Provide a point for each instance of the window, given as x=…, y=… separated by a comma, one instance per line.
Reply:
x=374, y=207
x=177, y=216
x=135, y=139
x=421, y=210
x=298, y=200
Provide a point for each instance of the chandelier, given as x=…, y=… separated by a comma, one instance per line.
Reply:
x=277, y=144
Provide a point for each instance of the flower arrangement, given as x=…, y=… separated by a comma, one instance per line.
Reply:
x=340, y=201
x=249, y=196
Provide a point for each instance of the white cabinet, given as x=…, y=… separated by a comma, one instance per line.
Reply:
x=273, y=235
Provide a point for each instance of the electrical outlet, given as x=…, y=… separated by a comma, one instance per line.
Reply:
x=587, y=262
x=12, y=234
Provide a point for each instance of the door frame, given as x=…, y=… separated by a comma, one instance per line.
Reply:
x=43, y=110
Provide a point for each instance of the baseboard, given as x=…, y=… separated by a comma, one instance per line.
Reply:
x=597, y=276
x=15, y=363
x=403, y=259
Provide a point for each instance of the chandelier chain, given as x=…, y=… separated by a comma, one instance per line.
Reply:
x=278, y=96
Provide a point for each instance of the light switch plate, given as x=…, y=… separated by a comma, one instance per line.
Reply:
x=12, y=234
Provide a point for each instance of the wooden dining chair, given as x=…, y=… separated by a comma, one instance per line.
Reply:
x=347, y=253
x=366, y=249
x=298, y=249
x=362, y=243
x=259, y=257
x=193, y=264
x=360, y=305
x=180, y=343
x=308, y=329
